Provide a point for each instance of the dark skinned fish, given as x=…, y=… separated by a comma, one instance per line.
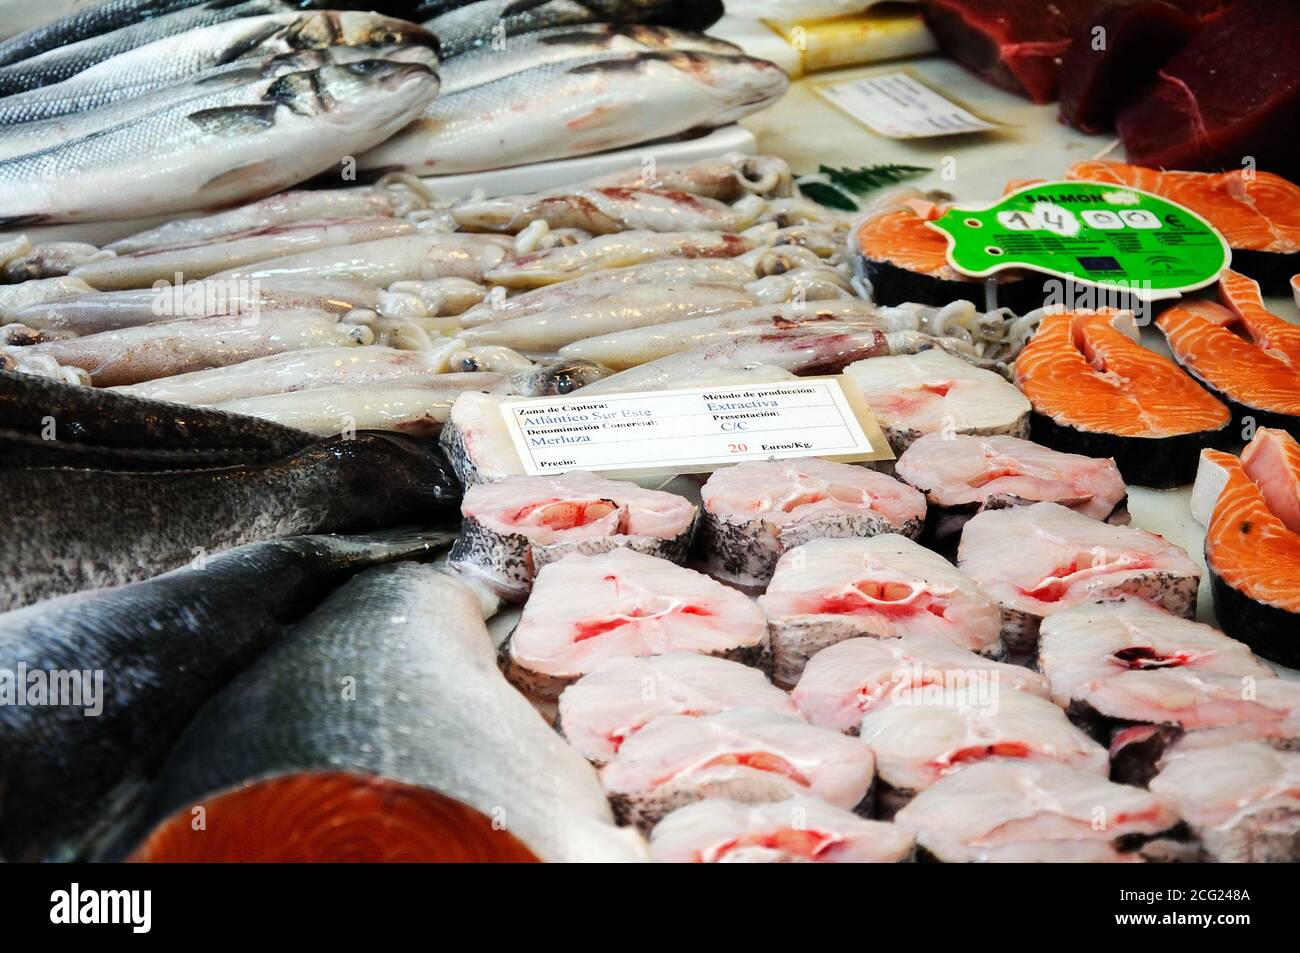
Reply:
x=161, y=646
x=71, y=530
x=46, y=423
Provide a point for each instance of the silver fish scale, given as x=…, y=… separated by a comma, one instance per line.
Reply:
x=97, y=19
x=473, y=26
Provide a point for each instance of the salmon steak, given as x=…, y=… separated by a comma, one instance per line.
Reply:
x=1241, y=800
x=756, y=511
x=934, y=392
x=963, y=474
x=1258, y=213
x=585, y=610
x=1095, y=390
x=840, y=684
x=829, y=590
x=1247, y=356
x=746, y=754
x=1253, y=555
x=920, y=739
x=801, y=830
x=1038, y=560
x=618, y=698
x=1015, y=811
x=515, y=526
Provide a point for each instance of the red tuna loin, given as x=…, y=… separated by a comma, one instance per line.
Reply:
x=1232, y=93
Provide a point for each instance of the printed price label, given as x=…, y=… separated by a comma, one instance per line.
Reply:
x=897, y=106
x=1092, y=233
x=694, y=430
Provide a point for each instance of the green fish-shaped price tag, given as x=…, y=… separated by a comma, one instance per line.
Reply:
x=1092, y=233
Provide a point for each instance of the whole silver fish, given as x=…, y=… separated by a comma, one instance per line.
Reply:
x=389, y=260
x=219, y=50
x=182, y=158
x=578, y=107
x=283, y=208
x=620, y=350
x=293, y=371
x=150, y=351
x=726, y=178
x=163, y=645
x=201, y=259
x=416, y=408
x=70, y=25
x=112, y=310
x=466, y=27
x=633, y=307
x=808, y=353
x=564, y=263
x=22, y=16
x=432, y=713
x=608, y=210
x=555, y=45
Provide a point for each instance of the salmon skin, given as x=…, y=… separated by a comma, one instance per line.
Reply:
x=755, y=511
x=1254, y=558
x=116, y=527
x=1244, y=354
x=46, y=423
x=1258, y=213
x=429, y=710
x=163, y=645
x=1095, y=390
x=800, y=830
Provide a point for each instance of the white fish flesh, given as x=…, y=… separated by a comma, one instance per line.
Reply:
x=886, y=586
x=476, y=440
x=962, y=474
x=558, y=44
x=149, y=351
x=622, y=349
x=419, y=409
x=622, y=250
x=577, y=107
x=935, y=392
x=602, y=283
x=917, y=741
x=586, y=610
x=1014, y=811
x=389, y=260
x=799, y=830
x=295, y=371
x=726, y=178
x=195, y=261
x=1240, y=800
x=111, y=310
x=843, y=682
x=606, y=707
x=510, y=529
x=745, y=754
x=605, y=211
x=758, y=510
x=633, y=307
x=182, y=158
x=808, y=353
x=1061, y=559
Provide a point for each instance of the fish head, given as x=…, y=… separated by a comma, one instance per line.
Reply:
x=353, y=28
x=369, y=90
x=739, y=83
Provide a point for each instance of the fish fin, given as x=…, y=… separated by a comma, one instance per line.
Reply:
x=615, y=64
x=522, y=6
x=248, y=43
x=234, y=119
x=21, y=221
x=248, y=171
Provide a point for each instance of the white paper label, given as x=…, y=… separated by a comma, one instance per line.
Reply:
x=688, y=430
x=896, y=105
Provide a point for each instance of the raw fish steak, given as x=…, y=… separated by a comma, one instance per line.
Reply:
x=800, y=830
x=746, y=754
x=1040, y=559
x=829, y=590
x=1242, y=800
x=842, y=683
x=477, y=441
x=601, y=710
x=513, y=527
x=754, y=512
x=934, y=392
x=917, y=744
x=1034, y=812
x=585, y=610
